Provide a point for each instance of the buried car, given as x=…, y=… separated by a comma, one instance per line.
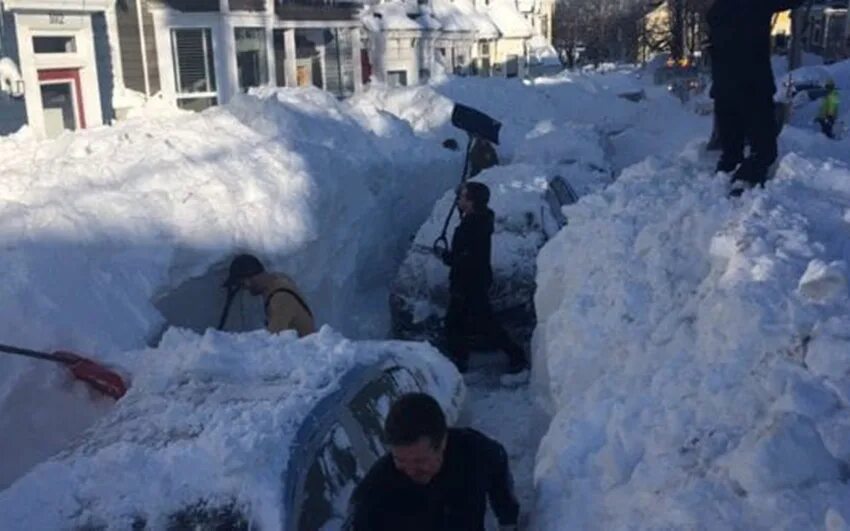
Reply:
x=224, y=431
x=527, y=200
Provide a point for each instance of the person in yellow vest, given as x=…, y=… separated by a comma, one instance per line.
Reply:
x=828, y=110
x=284, y=305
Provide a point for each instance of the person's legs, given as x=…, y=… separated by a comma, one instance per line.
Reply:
x=455, y=331
x=761, y=130
x=730, y=128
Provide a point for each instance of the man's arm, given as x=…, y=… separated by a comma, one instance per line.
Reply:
x=501, y=488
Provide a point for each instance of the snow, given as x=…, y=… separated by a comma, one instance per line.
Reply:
x=126, y=215
x=461, y=16
x=390, y=16
x=509, y=21
x=10, y=77
x=209, y=418
x=691, y=350
x=709, y=310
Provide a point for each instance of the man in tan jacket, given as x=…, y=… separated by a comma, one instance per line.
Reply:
x=284, y=305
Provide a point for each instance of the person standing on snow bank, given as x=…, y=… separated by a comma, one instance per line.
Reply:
x=470, y=278
x=284, y=306
x=743, y=85
x=435, y=478
x=828, y=110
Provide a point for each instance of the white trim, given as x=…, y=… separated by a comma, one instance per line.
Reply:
x=68, y=6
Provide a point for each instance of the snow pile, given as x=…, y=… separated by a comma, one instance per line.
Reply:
x=209, y=422
x=694, y=352
x=100, y=223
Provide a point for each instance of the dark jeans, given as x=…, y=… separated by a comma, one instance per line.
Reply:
x=747, y=118
x=471, y=315
x=826, y=125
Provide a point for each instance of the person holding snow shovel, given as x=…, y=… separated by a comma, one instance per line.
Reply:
x=828, y=110
x=284, y=305
x=470, y=278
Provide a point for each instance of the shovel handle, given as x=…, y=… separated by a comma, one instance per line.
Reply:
x=63, y=357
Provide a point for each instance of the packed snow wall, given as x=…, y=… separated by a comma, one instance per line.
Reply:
x=100, y=223
x=694, y=353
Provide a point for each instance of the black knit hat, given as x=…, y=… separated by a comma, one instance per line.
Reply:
x=242, y=267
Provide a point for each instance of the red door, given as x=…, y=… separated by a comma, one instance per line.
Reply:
x=69, y=75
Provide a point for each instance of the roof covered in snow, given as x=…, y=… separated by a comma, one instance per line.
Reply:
x=510, y=22
x=392, y=16
x=461, y=16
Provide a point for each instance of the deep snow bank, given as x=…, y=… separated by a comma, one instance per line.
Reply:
x=695, y=354
x=209, y=422
x=98, y=224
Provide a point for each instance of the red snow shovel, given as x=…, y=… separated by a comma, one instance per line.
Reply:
x=107, y=382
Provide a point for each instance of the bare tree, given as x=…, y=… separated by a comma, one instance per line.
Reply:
x=608, y=30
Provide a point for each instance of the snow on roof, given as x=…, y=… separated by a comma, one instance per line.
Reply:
x=510, y=22
x=209, y=418
x=388, y=17
x=461, y=16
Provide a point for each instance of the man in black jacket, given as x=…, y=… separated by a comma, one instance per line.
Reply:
x=434, y=478
x=470, y=278
x=743, y=86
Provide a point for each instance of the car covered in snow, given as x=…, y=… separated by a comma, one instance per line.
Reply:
x=527, y=199
x=225, y=431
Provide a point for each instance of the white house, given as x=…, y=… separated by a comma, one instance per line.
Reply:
x=61, y=50
x=407, y=41
x=84, y=62
x=400, y=43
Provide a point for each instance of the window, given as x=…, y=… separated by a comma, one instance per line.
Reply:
x=397, y=78
x=194, y=70
x=484, y=48
x=54, y=44
x=251, y=64
x=330, y=480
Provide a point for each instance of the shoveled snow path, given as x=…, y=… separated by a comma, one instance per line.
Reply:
x=509, y=415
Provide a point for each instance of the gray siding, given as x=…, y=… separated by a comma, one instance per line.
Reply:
x=103, y=57
x=247, y=5
x=189, y=6
x=131, y=52
x=13, y=112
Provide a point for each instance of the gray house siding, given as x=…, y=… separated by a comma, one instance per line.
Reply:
x=131, y=46
x=13, y=111
x=103, y=57
x=247, y=5
x=189, y=6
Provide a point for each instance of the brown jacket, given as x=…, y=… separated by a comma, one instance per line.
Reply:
x=284, y=310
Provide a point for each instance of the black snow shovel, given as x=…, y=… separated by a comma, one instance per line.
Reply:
x=476, y=124
x=94, y=374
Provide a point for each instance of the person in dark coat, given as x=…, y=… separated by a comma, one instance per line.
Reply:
x=434, y=478
x=470, y=279
x=743, y=85
x=482, y=155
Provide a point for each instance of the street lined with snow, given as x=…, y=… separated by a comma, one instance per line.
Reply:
x=690, y=366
